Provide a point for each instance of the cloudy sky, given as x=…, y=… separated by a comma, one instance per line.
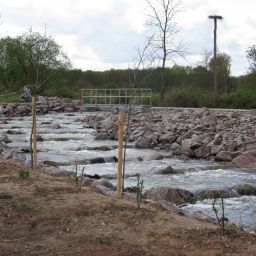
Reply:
x=104, y=34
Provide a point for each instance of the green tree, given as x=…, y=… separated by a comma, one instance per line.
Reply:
x=223, y=65
x=12, y=73
x=43, y=58
x=251, y=56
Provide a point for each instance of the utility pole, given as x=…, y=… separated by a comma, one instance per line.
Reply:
x=215, y=18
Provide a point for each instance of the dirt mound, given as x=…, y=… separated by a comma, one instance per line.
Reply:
x=48, y=215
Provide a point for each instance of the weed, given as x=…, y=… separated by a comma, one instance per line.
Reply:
x=24, y=173
x=139, y=190
x=220, y=220
x=77, y=174
x=28, y=206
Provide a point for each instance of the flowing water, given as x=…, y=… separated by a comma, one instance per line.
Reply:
x=73, y=142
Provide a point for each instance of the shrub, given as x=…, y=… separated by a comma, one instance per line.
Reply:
x=24, y=173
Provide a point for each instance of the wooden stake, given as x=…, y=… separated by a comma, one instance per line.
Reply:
x=121, y=122
x=34, y=133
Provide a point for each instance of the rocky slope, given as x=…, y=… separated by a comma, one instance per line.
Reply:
x=198, y=133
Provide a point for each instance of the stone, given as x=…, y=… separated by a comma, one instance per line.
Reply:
x=50, y=163
x=5, y=195
x=246, y=189
x=53, y=171
x=167, y=138
x=42, y=100
x=144, y=142
x=54, y=126
x=13, y=132
x=215, y=193
x=21, y=110
x=223, y=156
x=154, y=157
x=4, y=138
x=170, y=170
x=106, y=183
x=97, y=160
x=175, y=195
x=203, y=152
x=245, y=161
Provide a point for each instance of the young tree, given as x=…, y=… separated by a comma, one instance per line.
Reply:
x=162, y=23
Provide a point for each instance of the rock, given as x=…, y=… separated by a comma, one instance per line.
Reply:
x=223, y=156
x=245, y=189
x=97, y=160
x=169, y=170
x=50, y=163
x=215, y=149
x=42, y=100
x=5, y=195
x=175, y=195
x=13, y=132
x=106, y=183
x=53, y=171
x=21, y=110
x=203, y=152
x=100, y=148
x=144, y=142
x=154, y=157
x=245, y=161
x=39, y=138
x=4, y=138
x=167, y=138
x=102, y=136
x=54, y=126
x=215, y=193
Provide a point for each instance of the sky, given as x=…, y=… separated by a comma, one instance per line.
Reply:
x=106, y=34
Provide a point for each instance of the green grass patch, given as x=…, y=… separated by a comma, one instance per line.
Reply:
x=28, y=206
x=8, y=98
x=23, y=173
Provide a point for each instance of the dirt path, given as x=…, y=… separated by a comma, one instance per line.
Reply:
x=50, y=216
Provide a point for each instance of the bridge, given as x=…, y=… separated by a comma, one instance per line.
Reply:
x=116, y=98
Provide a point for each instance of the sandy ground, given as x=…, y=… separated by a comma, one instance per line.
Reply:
x=52, y=216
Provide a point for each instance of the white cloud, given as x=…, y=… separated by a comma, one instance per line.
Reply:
x=103, y=34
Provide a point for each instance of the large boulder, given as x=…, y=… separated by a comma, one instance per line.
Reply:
x=203, y=152
x=245, y=161
x=144, y=142
x=215, y=193
x=245, y=189
x=167, y=138
x=223, y=156
x=175, y=195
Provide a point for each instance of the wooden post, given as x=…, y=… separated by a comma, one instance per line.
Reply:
x=121, y=122
x=34, y=133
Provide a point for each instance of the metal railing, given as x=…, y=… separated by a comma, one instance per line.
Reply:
x=92, y=98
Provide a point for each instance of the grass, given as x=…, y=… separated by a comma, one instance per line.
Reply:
x=24, y=173
x=8, y=98
x=28, y=206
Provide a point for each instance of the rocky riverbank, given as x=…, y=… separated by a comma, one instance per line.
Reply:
x=221, y=135
x=44, y=105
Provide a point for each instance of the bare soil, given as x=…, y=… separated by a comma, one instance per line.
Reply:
x=51, y=216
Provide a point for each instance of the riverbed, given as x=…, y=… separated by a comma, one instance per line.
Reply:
x=68, y=141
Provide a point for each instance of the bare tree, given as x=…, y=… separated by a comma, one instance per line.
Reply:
x=162, y=23
x=206, y=56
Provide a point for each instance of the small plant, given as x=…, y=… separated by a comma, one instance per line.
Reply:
x=28, y=206
x=78, y=174
x=139, y=190
x=24, y=173
x=220, y=220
